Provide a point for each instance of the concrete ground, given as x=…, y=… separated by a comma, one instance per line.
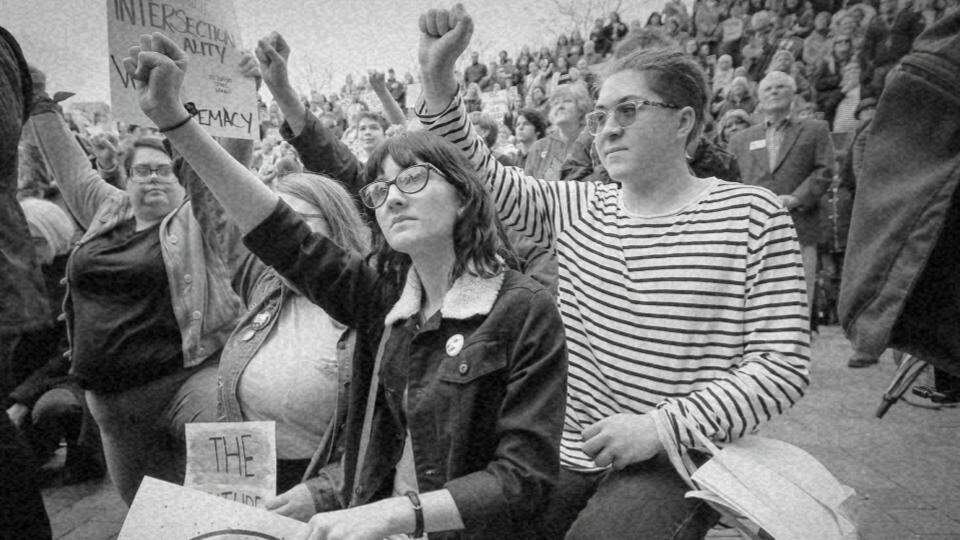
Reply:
x=905, y=467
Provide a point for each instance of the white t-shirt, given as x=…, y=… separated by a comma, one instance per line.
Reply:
x=293, y=378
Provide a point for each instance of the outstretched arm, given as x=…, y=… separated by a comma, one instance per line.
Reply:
x=391, y=109
x=158, y=66
x=320, y=150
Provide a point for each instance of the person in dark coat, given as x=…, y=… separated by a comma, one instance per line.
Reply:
x=900, y=285
x=23, y=305
x=791, y=157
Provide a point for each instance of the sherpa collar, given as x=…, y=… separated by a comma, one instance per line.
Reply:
x=470, y=295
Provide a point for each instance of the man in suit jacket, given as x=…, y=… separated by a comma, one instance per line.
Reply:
x=792, y=158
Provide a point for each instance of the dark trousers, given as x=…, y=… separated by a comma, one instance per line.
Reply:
x=22, y=514
x=643, y=501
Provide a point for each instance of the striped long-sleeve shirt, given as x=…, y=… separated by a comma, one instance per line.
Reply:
x=702, y=311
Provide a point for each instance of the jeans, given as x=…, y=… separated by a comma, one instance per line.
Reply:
x=643, y=501
x=142, y=428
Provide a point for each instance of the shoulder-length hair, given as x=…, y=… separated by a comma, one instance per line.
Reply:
x=479, y=243
x=345, y=225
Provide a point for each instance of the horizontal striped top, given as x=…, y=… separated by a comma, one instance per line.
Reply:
x=702, y=312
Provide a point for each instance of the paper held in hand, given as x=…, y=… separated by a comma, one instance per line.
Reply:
x=773, y=485
x=208, y=32
x=162, y=511
x=233, y=460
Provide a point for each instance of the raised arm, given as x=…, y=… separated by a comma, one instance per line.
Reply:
x=535, y=208
x=320, y=150
x=329, y=276
x=391, y=109
x=83, y=189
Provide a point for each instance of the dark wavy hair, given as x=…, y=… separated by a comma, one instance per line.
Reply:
x=479, y=243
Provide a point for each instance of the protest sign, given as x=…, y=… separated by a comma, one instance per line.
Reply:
x=496, y=104
x=233, y=460
x=162, y=510
x=208, y=32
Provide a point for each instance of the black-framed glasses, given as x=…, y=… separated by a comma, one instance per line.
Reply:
x=624, y=113
x=142, y=173
x=409, y=181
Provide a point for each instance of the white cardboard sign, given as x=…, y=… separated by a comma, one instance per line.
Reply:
x=233, y=460
x=165, y=511
x=208, y=31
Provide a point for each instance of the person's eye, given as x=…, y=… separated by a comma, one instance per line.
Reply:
x=626, y=112
x=141, y=170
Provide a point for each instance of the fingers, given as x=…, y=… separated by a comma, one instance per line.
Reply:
x=270, y=53
x=164, y=45
x=431, y=23
x=462, y=23
x=273, y=503
x=592, y=430
x=443, y=22
x=280, y=45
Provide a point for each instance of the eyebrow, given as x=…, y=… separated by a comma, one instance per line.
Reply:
x=630, y=97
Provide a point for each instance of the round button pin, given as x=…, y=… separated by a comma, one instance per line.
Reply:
x=454, y=344
x=463, y=369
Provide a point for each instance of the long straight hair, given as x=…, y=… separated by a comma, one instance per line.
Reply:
x=347, y=229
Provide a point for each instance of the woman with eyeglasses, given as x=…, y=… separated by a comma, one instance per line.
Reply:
x=148, y=305
x=680, y=296
x=456, y=399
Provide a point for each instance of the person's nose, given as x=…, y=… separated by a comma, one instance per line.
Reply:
x=395, y=197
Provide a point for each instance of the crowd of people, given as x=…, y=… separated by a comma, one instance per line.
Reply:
x=465, y=321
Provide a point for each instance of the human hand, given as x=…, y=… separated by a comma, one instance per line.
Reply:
x=377, y=81
x=444, y=35
x=157, y=67
x=621, y=440
x=296, y=503
x=789, y=201
x=274, y=55
x=105, y=149
x=18, y=414
x=249, y=67
x=358, y=523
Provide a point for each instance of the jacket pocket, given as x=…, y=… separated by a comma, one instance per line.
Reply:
x=476, y=360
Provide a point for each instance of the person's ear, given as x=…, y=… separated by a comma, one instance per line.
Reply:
x=687, y=119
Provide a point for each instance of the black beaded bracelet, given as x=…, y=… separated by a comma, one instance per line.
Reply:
x=191, y=112
x=418, y=510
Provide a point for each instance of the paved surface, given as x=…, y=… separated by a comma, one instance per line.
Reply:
x=905, y=467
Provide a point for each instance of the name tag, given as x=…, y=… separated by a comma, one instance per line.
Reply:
x=758, y=145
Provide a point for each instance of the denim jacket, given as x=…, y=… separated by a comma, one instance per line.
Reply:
x=484, y=379
x=204, y=304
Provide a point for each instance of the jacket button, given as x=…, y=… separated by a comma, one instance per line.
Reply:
x=358, y=491
x=196, y=315
x=463, y=369
x=63, y=280
x=62, y=317
x=172, y=238
x=188, y=279
x=67, y=353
